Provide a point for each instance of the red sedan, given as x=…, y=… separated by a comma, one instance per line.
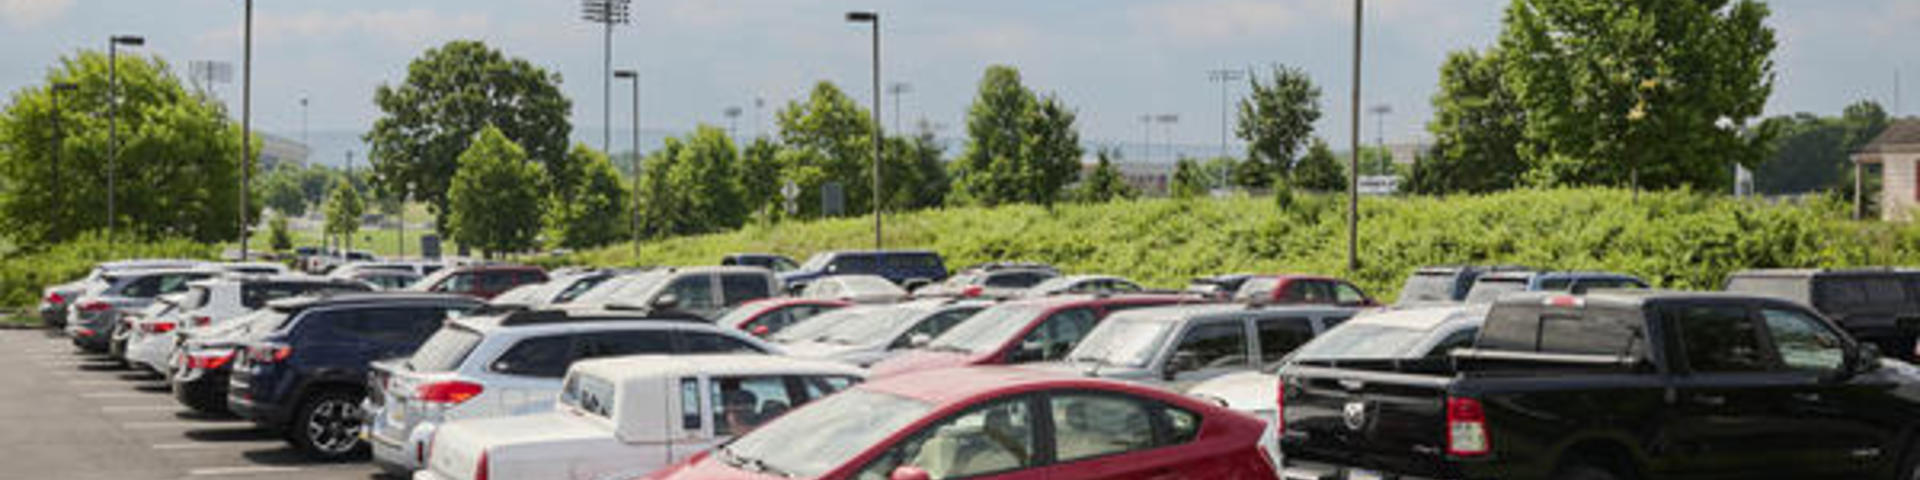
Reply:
x=1022, y=331
x=768, y=316
x=992, y=423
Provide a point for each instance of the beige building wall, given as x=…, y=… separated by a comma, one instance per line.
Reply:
x=1897, y=188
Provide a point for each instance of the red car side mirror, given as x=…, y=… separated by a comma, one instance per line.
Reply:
x=909, y=472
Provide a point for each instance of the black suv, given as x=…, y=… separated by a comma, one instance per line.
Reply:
x=1876, y=305
x=307, y=377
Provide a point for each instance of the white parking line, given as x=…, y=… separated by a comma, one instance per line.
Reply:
x=138, y=408
x=165, y=425
x=118, y=395
x=97, y=383
x=253, y=470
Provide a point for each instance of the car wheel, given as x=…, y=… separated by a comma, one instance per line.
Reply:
x=327, y=426
x=1584, y=472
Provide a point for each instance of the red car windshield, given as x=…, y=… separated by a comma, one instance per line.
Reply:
x=986, y=331
x=818, y=438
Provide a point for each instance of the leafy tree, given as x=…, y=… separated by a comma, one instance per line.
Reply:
x=692, y=186
x=916, y=172
x=344, y=209
x=1276, y=120
x=177, y=173
x=494, y=198
x=1188, y=180
x=826, y=138
x=1020, y=147
x=1477, y=127
x=1220, y=171
x=1649, y=89
x=1104, y=183
x=1319, y=170
x=280, y=238
x=760, y=179
x=281, y=191
x=597, y=213
x=451, y=93
x=1811, y=153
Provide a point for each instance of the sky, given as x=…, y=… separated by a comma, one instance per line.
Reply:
x=1112, y=60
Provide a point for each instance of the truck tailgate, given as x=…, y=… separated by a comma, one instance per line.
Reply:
x=1386, y=421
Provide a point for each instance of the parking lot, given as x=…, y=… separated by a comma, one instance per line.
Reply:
x=72, y=415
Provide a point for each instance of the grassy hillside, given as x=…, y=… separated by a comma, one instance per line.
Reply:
x=1674, y=239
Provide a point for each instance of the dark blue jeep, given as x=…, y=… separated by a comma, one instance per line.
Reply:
x=307, y=378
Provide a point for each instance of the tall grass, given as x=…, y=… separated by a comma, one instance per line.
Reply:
x=23, y=273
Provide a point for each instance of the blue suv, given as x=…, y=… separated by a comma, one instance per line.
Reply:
x=908, y=268
x=306, y=379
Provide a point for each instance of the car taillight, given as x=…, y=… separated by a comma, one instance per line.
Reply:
x=1466, y=428
x=84, y=332
x=202, y=321
x=972, y=291
x=158, y=327
x=209, y=361
x=451, y=392
x=95, y=306
x=271, y=354
x=480, y=472
x=56, y=299
x=1280, y=409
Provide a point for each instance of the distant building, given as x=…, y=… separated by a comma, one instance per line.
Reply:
x=276, y=150
x=1897, y=151
x=1149, y=178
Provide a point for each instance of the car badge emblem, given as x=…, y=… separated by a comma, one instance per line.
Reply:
x=1355, y=415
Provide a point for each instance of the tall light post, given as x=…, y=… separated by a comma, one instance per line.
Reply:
x=246, y=128
x=1353, y=164
x=606, y=13
x=113, y=119
x=1225, y=77
x=873, y=18
x=898, y=89
x=1166, y=121
x=1380, y=126
x=634, y=216
x=733, y=122
x=303, y=122
x=59, y=139
x=1146, y=137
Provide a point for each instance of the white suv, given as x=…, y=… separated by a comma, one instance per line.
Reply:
x=508, y=364
x=214, y=301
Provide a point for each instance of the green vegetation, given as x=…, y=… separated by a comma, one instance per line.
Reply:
x=1676, y=239
x=597, y=213
x=22, y=275
x=1021, y=147
x=495, y=197
x=1276, y=120
x=344, y=208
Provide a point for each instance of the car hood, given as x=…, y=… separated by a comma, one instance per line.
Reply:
x=1243, y=392
x=512, y=443
x=924, y=360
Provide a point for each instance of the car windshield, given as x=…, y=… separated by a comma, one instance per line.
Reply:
x=1428, y=287
x=632, y=288
x=869, y=284
x=444, y=351
x=875, y=327
x=817, y=262
x=817, y=325
x=1489, y=289
x=736, y=316
x=1056, y=284
x=987, y=330
x=1352, y=340
x=1126, y=343
x=819, y=437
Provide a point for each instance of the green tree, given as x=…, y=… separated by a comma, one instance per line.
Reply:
x=1276, y=120
x=706, y=178
x=916, y=172
x=178, y=167
x=826, y=138
x=451, y=93
x=344, y=209
x=597, y=213
x=1477, y=127
x=1020, y=147
x=1220, y=171
x=760, y=179
x=280, y=237
x=1104, y=183
x=1319, y=170
x=1652, y=90
x=1810, y=153
x=281, y=191
x=494, y=198
x=1189, y=180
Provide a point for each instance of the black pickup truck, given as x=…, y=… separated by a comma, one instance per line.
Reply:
x=1613, y=385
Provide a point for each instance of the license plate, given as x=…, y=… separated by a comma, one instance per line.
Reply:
x=396, y=413
x=1364, y=475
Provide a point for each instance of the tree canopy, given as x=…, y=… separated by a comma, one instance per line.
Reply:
x=494, y=199
x=598, y=212
x=1276, y=121
x=1478, y=129
x=1020, y=147
x=1104, y=183
x=344, y=208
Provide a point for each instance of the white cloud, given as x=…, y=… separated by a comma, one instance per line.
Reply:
x=406, y=28
x=30, y=13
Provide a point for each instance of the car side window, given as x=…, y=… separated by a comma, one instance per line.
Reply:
x=496, y=281
x=622, y=343
x=703, y=342
x=1056, y=336
x=1720, y=339
x=1804, y=343
x=1182, y=426
x=1456, y=340
x=823, y=385
x=738, y=288
x=993, y=438
x=1279, y=336
x=853, y=264
x=742, y=403
x=458, y=282
x=1211, y=345
x=544, y=357
x=772, y=321
x=690, y=404
x=695, y=292
x=392, y=326
x=934, y=326
x=1093, y=425
x=144, y=287
x=1345, y=294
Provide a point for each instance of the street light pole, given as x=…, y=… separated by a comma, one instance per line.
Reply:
x=59, y=139
x=634, y=216
x=898, y=89
x=113, y=119
x=606, y=13
x=1353, y=165
x=878, y=138
x=246, y=128
x=1225, y=77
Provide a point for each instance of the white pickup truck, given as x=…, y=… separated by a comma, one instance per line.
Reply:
x=628, y=416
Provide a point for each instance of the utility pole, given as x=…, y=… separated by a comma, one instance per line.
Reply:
x=634, y=214
x=113, y=120
x=1380, y=127
x=879, y=139
x=898, y=89
x=1166, y=121
x=1225, y=77
x=246, y=129
x=1353, y=165
x=1146, y=137
x=346, y=243
x=733, y=122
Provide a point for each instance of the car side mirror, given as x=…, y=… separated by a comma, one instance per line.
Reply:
x=909, y=472
x=918, y=340
x=833, y=269
x=666, y=302
x=1181, y=362
x=761, y=331
x=1029, y=351
x=1866, y=359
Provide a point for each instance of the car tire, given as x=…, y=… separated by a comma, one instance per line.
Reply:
x=327, y=427
x=1910, y=466
x=1585, y=472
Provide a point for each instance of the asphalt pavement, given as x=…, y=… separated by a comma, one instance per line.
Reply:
x=78, y=416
